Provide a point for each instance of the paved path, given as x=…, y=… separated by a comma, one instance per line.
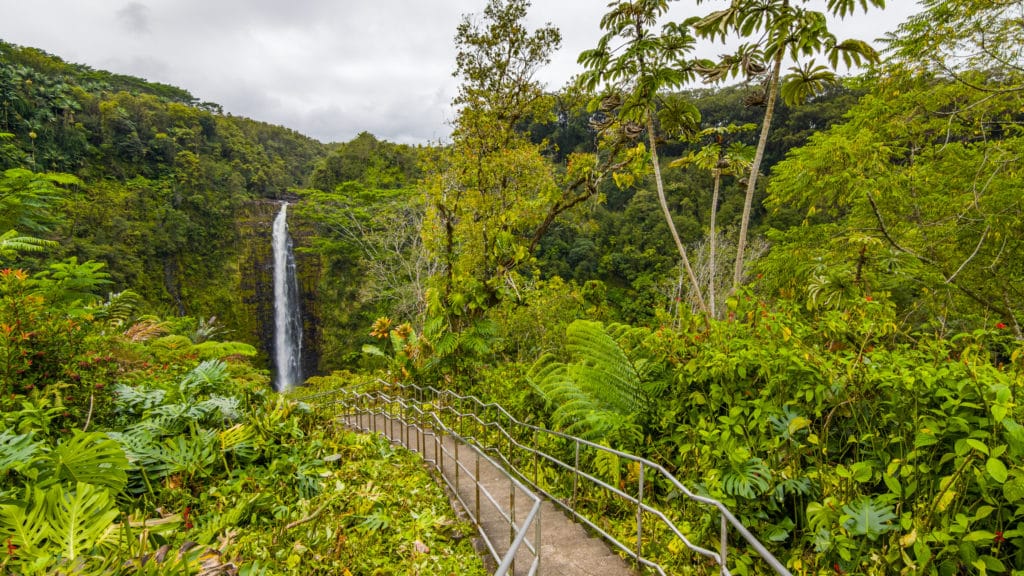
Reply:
x=565, y=547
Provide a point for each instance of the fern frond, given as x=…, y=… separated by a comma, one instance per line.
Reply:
x=603, y=368
x=11, y=244
x=119, y=309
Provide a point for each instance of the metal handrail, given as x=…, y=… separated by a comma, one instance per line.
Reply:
x=442, y=401
x=413, y=417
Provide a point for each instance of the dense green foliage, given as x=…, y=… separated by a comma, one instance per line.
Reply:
x=849, y=386
x=855, y=401
x=132, y=444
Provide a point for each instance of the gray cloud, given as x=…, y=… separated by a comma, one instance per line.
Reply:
x=327, y=68
x=134, y=18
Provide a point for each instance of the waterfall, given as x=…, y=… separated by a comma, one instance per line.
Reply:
x=287, y=315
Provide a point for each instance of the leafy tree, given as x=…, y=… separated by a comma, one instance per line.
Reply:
x=914, y=196
x=782, y=28
x=492, y=195
x=957, y=39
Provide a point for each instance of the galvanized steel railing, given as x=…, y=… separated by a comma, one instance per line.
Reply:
x=377, y=410
x=489, y=427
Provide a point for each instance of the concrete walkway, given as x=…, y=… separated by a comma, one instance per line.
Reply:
x=565, y=547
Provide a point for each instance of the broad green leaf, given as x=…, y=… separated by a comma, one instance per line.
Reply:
x=868, y=517
x=979, y=536
x=862, y=471
x=923, y=439
x=978, y=445
x=996, y=469
x=993, y=564
x=893, y=484
x=1013, y=490
x=16, y=450
x=798, y=423
x=92, y=458
x=26, y=527
x=80, y=520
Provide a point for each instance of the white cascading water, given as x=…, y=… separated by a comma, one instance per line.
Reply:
x=287, y=314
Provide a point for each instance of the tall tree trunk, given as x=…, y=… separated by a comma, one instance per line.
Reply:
x=755, y=168
x=712, y=239
x=694, y=283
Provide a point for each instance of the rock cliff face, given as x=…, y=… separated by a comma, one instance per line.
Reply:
x=252, y=316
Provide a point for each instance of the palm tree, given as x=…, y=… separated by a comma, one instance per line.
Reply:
x=782, y=29
x=645, y=65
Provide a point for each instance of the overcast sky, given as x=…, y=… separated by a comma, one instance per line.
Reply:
x=327, y=68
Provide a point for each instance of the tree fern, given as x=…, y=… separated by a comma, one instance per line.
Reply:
x=119, y=309
x=603, y=369
x=598, y=394
x=146, y=329
x=11, y=244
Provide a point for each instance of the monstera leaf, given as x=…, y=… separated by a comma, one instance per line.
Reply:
x=80, y=520
x=749, y=480
x=867, y=517
x=92, y=458
x=56, y=522
x=26, y=527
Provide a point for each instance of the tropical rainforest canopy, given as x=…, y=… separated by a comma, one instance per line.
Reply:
x=803, y=294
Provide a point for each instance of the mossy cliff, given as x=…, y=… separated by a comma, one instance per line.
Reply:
x=249, y=301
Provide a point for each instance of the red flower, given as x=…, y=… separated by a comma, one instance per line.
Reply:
x=184, y=515
x=835, y=566
x=866, y=299
x=1001, y=326
x=998, y=538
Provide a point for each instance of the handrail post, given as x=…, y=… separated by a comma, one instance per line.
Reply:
x=576, y=473
x=537, y=540
x=477, y=519
x=640, y=514
x=725, y=541
x=512, y=520
x=536, y=461
x=508, y=432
